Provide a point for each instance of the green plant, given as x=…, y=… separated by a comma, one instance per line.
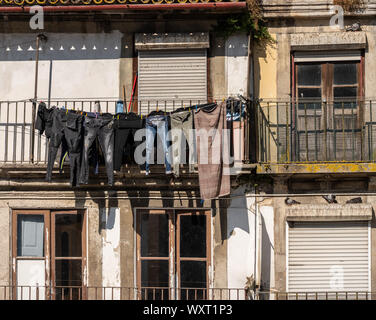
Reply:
x=250, y=22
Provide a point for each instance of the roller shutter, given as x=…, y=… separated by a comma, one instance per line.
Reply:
x=171, y=78
x=328, y=257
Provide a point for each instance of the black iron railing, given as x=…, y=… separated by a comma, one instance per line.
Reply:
x=16, y=136
x=316, y=131
x=162, y=293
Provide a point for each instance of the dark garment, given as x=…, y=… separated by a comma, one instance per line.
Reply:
x=101, y=127
x=43, y=122
x=125, y=127
x=212, y=152
x=66, y=126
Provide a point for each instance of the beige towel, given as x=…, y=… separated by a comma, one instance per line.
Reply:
x=212, y=152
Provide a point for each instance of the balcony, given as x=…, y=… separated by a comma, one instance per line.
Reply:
x=165, y=293
x=17, y=139
x=316, y=136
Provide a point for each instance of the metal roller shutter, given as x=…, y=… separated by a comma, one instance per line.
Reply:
x=171, y=78
x=319, y=251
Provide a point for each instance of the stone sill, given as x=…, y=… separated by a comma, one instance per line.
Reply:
x=330, y=212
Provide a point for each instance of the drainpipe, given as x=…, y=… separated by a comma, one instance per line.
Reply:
x=39, y=37
x=138, y=7
x=257, y=248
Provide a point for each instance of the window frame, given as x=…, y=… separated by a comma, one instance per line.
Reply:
x=327, y=87
x=174, y=247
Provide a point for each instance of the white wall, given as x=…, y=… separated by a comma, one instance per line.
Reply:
x=237, y=64
x=71, y=66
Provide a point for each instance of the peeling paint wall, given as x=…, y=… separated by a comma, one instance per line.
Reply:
x=244, y=259
x=110, y=222
x=237, y=64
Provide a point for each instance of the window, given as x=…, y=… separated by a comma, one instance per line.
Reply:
x=327, y=122
x=49, y=252
x=173, y=254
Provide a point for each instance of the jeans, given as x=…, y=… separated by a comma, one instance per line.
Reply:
x=66, y=128
x=101, y=127
x=182, y=124
x=125, y=127
x=157, y=125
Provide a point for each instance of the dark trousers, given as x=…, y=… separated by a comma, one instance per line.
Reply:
x=66, y=128
x=101, y=127
x=125, y=127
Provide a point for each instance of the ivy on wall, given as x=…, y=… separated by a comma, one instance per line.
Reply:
x=250, y=22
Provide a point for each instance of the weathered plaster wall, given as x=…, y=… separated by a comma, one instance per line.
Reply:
x=111, y=234
x=244, y=257
x=280, y=218
x=237, y=64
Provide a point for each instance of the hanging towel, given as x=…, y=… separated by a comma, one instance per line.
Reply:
x=212, y=151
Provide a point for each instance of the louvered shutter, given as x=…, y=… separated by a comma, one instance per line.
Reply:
x=318, y=252
x=171, y=79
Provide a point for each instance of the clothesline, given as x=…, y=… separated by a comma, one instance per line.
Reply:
x=76, y=134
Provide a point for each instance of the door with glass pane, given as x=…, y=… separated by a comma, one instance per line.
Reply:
x=173, y=254
x=67, y=256
x=193, y=254
x=49, y=253
x=30, y=255
x=328, y=111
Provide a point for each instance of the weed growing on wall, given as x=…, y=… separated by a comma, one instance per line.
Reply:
x=350, y=5
x=250, y=22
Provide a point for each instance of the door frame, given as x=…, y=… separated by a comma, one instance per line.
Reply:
x=53, y=214
x=173, y=276
x=327, y=96
x=49, y=246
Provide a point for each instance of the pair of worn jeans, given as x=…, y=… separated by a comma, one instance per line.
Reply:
x=157, y=124
x=101, y=127
x=125, y=128
x=66, y=129
x=182, y=125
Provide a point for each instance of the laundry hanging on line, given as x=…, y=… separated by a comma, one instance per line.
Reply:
x=77, y=130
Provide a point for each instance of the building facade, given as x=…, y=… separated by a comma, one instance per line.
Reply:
x=299, y=221
x=316, y=144
x=147, y=236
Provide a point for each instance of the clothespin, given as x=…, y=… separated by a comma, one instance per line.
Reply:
x=223, y=100
x=196, y=107
x=157, y=108
x=118, y=117
x=141, y=116
x=66, y=112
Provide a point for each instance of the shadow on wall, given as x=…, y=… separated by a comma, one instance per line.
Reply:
x=99, y=198
x=266, y=261
x=240, y=218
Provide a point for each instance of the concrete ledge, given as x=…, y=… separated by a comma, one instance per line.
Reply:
x=316, y=167
x=328, y=41
x=163, y=41
x=330, y=212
